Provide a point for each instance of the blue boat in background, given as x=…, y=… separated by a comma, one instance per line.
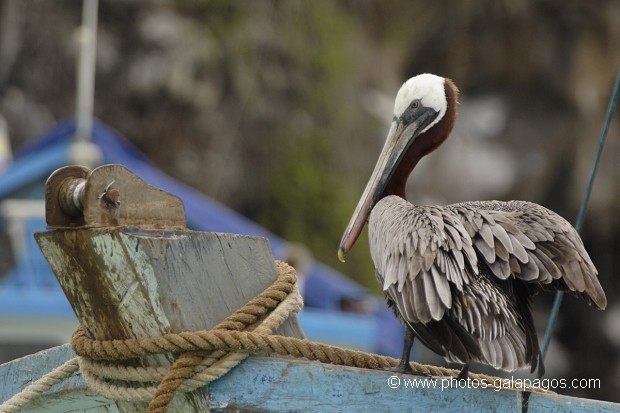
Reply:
x=32, y=303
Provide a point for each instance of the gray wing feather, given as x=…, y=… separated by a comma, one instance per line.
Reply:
x=420, y=300
x=489, y=316
x=442, y=287
x=420, y=255
x=488, y=251
x=529, y=242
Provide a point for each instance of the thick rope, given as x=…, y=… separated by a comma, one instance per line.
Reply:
x=245, y=342
x=97, y=374
x=204, y=356
x=36, y=389
x=278, y=293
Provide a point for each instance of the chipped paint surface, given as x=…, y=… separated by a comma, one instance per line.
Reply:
x=132, y=277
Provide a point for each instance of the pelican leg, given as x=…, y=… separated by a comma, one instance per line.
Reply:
x=404, y=366
x=464, y=372
x=541, y=365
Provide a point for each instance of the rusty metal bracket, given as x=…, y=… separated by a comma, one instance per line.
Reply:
x=108, y=196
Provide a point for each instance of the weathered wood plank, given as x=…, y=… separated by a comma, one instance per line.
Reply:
x=285, y=385
x=127, y=283
x=70, y=395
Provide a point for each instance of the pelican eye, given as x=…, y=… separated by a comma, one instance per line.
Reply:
x=415, y=104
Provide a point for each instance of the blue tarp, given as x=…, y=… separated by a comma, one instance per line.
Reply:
x=324, y=288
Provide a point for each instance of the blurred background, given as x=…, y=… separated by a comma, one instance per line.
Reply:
x=278, y=110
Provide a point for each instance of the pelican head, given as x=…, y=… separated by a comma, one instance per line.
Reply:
x=424, y=114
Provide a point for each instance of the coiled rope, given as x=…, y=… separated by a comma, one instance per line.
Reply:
x=204, y=356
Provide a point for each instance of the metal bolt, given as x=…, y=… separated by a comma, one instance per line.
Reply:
x=111, y=196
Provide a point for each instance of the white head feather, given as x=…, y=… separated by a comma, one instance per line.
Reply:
x=429, y=89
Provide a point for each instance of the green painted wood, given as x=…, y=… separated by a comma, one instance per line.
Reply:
x=289, y=385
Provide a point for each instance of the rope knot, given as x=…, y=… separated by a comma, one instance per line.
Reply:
x=108, y=366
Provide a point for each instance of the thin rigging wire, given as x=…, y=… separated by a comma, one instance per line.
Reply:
x=613, y=100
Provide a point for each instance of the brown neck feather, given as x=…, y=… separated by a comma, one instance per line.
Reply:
x=424, y=144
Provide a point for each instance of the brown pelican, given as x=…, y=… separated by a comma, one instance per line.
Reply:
x=461, y=277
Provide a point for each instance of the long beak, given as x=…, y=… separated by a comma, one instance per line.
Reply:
x=396, y=144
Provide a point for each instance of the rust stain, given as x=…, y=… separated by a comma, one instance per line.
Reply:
x=81, y=274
